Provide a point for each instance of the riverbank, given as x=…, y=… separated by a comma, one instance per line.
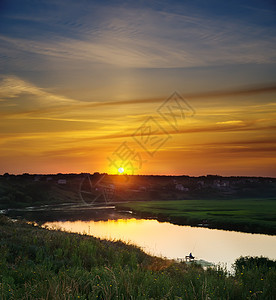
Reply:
x=38, y=263
x=182, y=200
x=245, y=215
x=21, y=191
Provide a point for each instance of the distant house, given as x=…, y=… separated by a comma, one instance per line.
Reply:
x=200, y=183
x=221, y=183
x=225, y=183
x=180, y=187
x=253, y=180
x=62, y=181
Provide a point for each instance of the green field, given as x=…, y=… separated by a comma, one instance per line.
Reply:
x=37, y=263
x=250, y=215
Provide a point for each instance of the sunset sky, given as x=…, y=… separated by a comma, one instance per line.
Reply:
x=90, y=86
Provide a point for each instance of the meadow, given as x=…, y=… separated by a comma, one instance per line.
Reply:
x=248, y=215
x=36, y=263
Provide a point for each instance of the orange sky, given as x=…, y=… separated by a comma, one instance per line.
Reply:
x=233, y=133
x=84, y=84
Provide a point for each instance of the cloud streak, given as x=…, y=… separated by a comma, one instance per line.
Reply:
x=139, y=38
x=203, y=95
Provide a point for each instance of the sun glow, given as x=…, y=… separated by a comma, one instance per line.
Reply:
x=121, y=170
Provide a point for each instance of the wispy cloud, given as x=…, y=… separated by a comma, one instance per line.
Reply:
x=139, y=38
x=228, y=127
x=13, y=86
x=46, y=105
x=203, y=95
x=232, y=122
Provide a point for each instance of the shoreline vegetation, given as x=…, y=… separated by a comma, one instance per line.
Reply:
x=244, y=215
x=244, y=204
x=37, y=263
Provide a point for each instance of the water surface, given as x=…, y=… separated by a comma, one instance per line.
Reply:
x=174, y=241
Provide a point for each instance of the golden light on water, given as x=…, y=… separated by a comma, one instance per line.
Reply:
x=173, y=241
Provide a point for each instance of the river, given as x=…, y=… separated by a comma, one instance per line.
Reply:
x=173, y=241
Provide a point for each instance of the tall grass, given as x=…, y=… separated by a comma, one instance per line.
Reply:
x=37, y=263
x=248, y=215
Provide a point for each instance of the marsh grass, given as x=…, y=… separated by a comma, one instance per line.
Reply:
x=36, y=263
x=249, y=215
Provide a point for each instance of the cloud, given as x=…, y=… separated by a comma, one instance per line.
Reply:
x=21, y=99
x=233, y=122
x=203, y=95
x=144, y=37
x=12, y=86
x=232, y=127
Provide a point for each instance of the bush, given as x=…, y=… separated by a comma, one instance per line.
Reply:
x=247, y=263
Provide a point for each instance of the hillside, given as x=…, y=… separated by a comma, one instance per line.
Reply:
x=40, y=264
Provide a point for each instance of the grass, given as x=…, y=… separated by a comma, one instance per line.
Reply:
x=37, y=263
x=24, y=192
x=249, y=215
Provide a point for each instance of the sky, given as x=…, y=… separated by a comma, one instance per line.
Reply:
x=153, y=87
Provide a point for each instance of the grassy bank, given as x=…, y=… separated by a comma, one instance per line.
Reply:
x=248, y=215
x=36, y=263
x=21, y=193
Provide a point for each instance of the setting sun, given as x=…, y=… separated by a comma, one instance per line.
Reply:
x=140, y=137
x=121, y=170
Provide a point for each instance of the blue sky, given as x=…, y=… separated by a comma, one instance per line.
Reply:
x=152, y=34
x=41, y=39
x=67, y=53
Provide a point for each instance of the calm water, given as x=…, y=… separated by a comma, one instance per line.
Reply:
x=173, y=241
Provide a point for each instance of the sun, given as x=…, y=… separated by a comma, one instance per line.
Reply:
x=121, y=170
